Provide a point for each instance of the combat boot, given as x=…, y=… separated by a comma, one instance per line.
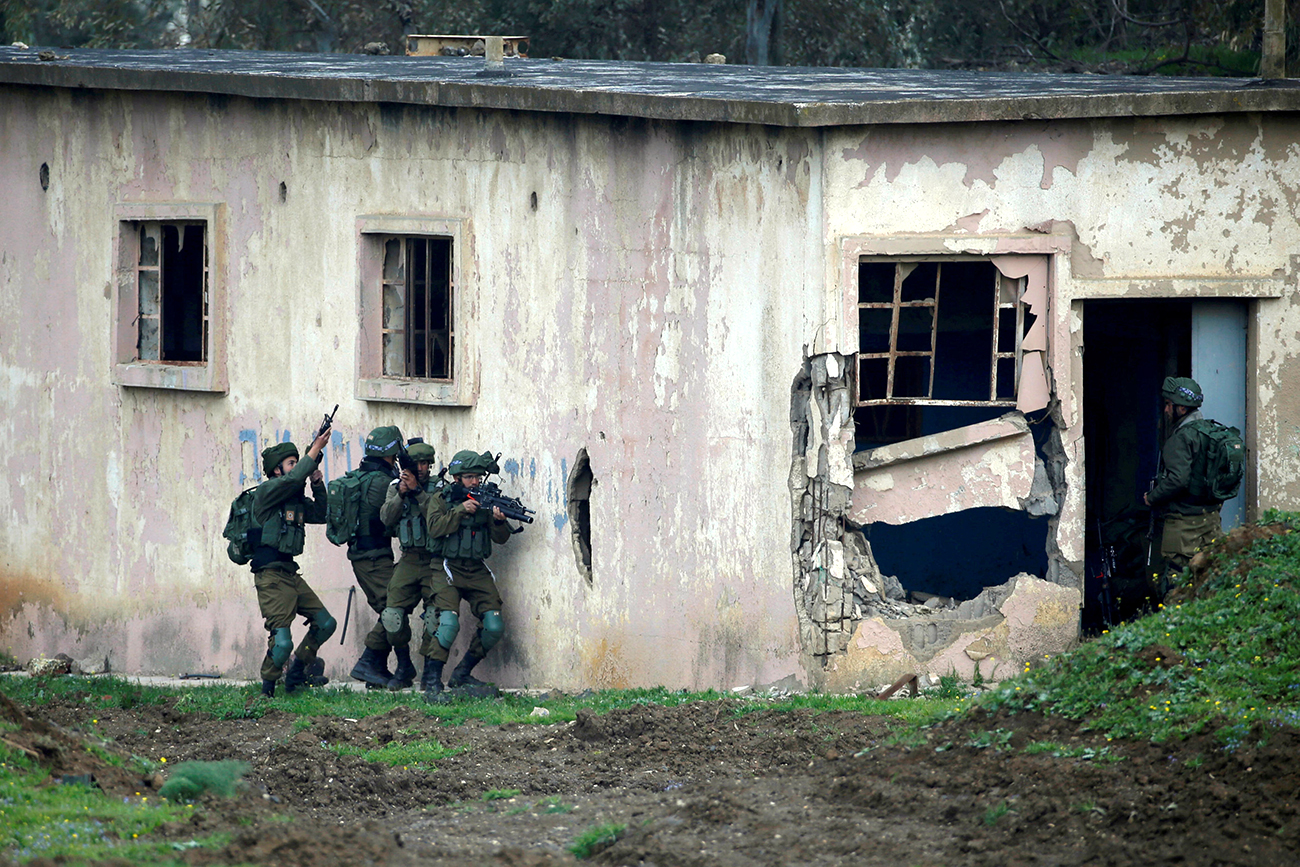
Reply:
x=268, y=688
x=316, y=673
x=296, y=676
x=465, y=683
x=431, y=681
x=405, y=674
x=372, y=669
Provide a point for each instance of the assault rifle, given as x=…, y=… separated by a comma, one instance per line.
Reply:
x=488, y=495
x=404, y=459
x=327, y=423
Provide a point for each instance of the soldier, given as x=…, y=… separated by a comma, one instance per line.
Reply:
x=280, y=511
x=461, y=534
x=371, y=550
x=403, y=516
x=1191, y=521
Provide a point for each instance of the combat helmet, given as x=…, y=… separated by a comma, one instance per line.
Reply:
x=467, y=461
x=383, y=442
x=1182, y=391
x=273, y=456
x=421, y=451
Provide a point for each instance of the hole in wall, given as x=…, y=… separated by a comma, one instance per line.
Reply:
x=45, y=176
x=581, y=481
x=532, y=200
x=284, y=191
x=959, y=555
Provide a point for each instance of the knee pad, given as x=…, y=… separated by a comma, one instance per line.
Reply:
x=322, y=627
x=393, y=619
x=281, y=645
x=493, y=628
x=448, y=627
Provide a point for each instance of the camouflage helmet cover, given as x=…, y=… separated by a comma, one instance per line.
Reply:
x=383, y=442
x=467, y=461
x=274, y=455
x=1181, y=391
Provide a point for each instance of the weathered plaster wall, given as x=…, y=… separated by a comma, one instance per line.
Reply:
x=650, y=309
x=654, y=309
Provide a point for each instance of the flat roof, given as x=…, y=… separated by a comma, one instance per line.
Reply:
x=773, y=95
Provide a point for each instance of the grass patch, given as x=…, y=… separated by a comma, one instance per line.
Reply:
x=420, y=754
x=1224, y=660
x=996, y=812
x=1101, y=755
x=596, y=838
x=79, y=823
x=499, y=794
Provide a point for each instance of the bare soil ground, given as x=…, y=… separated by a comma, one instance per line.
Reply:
x=698, y=785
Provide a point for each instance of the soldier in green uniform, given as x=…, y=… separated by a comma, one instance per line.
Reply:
x=1190, y=521
x=413, y=578
x=280, y=512
x=461, y=534
x=371, y=551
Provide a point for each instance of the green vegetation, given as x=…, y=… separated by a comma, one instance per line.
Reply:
x=77, y=822
x=1226, y=659
x=997, y=811
x=595, y=838
x=499, y=794
x=421, y=754
x=189, y=780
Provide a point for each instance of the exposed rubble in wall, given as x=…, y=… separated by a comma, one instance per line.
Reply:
x=837, y=582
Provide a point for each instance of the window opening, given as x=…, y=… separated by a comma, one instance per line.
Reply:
x=581, y=482
x=418, y=339
x=172, y=281
x=939, y=346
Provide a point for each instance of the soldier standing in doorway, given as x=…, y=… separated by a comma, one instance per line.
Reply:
x=1191, y=515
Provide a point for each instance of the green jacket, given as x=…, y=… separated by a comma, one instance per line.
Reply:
x=403, y=515
x=456, y=534
x=280, y=511
x=1181, y=456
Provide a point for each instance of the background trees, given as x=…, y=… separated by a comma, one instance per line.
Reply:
x=1186, y=37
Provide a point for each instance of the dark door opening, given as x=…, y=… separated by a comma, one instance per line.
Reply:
x=1129, y=348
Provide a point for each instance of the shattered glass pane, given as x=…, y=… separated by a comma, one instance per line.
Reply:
x=394, y=267
x=394, y=306
x=394, y=355
x=148, y=345
x=149, y=244
x=149, y=294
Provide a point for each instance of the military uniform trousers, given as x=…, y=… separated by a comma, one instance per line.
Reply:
x=472, y=581
x=1183, y=535
x=281, y=596
x=373, y=577
x=413, y=582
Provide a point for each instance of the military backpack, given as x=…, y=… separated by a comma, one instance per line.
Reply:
x=239, y=525
x=343, y=515
x=1223, y=464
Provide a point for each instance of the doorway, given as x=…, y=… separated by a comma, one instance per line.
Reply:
x=1129, y=348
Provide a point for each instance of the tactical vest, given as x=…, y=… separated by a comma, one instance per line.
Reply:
x=283, y=534
x=473, y=541
x=412, y=532
x=370, y=530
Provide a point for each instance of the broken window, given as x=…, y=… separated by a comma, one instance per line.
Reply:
x=172, y=285
x=939, y=346
x=418, y=293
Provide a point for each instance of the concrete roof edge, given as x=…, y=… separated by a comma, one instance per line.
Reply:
x=520, y=97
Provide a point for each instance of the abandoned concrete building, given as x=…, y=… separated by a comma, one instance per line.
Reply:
x=826, y=376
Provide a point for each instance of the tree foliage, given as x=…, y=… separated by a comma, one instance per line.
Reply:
x=1130, y=36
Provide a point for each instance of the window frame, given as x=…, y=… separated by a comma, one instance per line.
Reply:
x=129, y=370
x=896, y=307
x=372, y=384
